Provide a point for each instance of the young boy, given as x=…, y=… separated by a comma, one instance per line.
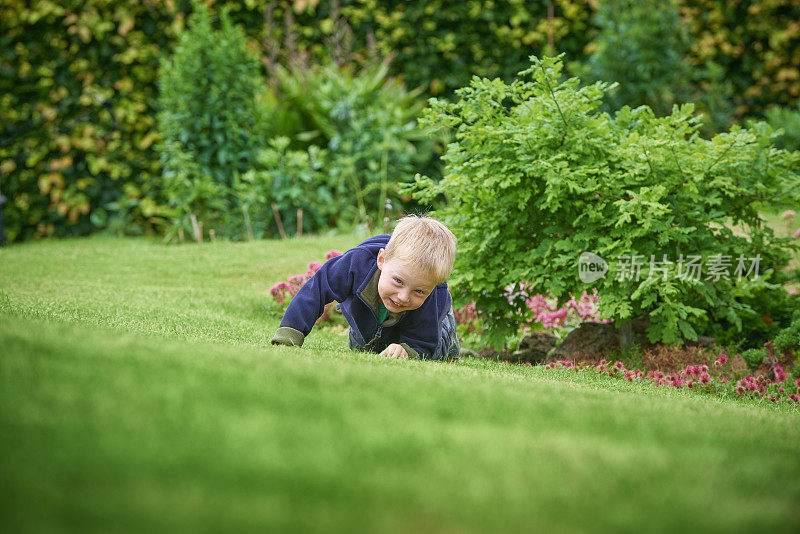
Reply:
x=391, y=290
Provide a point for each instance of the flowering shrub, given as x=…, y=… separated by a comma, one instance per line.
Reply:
x=467, y=316
x=283, y=292
x=720, y=378
x=544, y=313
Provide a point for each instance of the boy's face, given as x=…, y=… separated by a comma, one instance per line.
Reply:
x=400, y=287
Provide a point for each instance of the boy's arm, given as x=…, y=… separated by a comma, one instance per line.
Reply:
x=333, y=281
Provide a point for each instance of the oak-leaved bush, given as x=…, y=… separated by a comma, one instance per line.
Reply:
x=536, y=175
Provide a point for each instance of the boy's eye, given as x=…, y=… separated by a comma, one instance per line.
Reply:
x=397, y=280
x=420, y=292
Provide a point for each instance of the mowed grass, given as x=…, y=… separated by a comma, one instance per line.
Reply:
x=138, y=394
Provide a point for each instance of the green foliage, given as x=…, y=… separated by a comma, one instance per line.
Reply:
x=291, y=180
x=537, y=175
x=768, y=308
x=210, y=122
x=788, y=120
x=641, y=45
x=440, y=45
x=788, y=340
x=78, y=80
x=754, y=357
x=755, y=44
x=77, y=87
x=367, y=123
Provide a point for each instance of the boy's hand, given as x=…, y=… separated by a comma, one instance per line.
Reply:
x=394, y=351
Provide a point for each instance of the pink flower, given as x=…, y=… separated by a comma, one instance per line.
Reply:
x=297, y=279
x=797, y=233
x=793, y=291
x=722, y=360
x=332, y=254
x=705, y=379
x=788, y=214
x=794, y=398
x=279, y=291
x=780, y=374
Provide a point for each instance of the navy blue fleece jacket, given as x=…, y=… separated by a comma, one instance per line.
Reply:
x=350, y=279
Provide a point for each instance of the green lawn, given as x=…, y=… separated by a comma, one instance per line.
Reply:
x=138, y=393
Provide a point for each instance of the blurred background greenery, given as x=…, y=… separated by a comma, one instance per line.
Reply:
x=250, y=119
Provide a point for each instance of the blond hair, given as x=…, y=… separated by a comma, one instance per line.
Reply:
x=425, y=244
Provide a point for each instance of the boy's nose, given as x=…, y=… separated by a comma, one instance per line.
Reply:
x=403, y=296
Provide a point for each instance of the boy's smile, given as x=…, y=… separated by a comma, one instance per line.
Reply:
x=400, y=287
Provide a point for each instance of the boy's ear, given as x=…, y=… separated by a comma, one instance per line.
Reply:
x=381, y=259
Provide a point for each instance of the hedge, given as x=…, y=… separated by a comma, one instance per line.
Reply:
x=78, y=79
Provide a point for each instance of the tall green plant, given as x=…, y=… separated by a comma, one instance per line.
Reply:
x=367, y=122
x=537, y=176
x=210, y=122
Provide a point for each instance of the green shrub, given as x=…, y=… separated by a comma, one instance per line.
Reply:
x=756, y=46
x=210, y=123
x=768, y=309
x=753, y=357
x=440, y=45
x=291, y=180
x=641, y=45
x=367, y=123
x=69, y=168
x=788, y=340
x=77, y=121
x=536, y=176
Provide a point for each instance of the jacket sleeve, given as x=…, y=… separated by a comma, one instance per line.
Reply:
x=333, y=281
x=422, y=332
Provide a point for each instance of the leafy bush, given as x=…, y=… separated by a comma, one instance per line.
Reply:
x=367, y=122
x=440, y=44
x=788, y=340
x=289, y=180
x=77, y=85
x=754, y=44
x=210, y=123
x=536, y=176
x=641, y=45
x=768, y=309
x=68, y=167
x=753, y=357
